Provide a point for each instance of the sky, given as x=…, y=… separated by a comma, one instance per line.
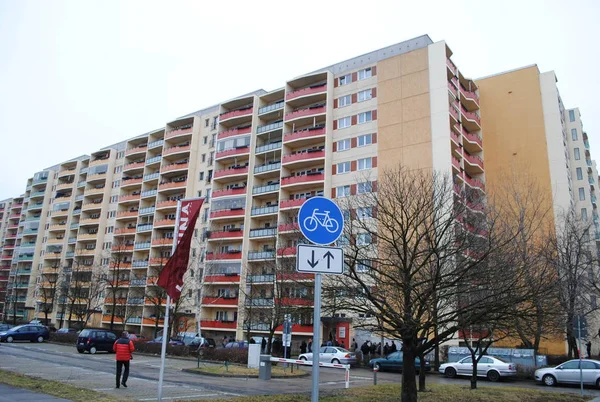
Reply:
x=76, y=76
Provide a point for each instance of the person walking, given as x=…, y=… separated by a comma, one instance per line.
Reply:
x=303, y=347
x=309, y=345
x=123, y=347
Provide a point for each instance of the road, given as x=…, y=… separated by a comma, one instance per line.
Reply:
x=63, y=363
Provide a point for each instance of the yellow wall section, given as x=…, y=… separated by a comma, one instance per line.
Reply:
x=404, y=128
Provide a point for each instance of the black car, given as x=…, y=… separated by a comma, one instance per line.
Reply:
x=27, y=332
x=94, y=340
x=394, y=362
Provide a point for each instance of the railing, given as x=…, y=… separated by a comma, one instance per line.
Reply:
x=148, y=193
x=140, y=263
x=317, y=176
x=259, y=302
x=264, y=210
x=263, y=232
x=153, y=160
x=145, y=211
x=138, y=282
x=317, y=88
x=261, y=255
x=229, y=191
x=235, y=113
x=305, y=155
x=470, y=115
x=269, y=127
x=268, y=147
x=143, y=228
x=155, y=144
x=265, y=189
x=271, y=107
x=135, y=300
x=151, y=176
x=267, y=168
x=261, y=278
x=305, y=112
x=235, y=131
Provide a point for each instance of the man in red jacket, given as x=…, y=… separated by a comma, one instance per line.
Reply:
x=123, y=347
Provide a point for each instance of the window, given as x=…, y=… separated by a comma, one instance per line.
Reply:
x=365, y=117
x=364, y=213
x=363, y=239
x=201, y=176
x=571, y=115
x=203, y=157
x=342, y=191
x=121, y=155
x=363, y=74
x=576, y=153
x=344, y=122
x=581, y=194
x=363, y=266
x=579, y=174
x=574, y=134
x=109, y=229
x=118, y=169
x=364, y=164
x=366, y=139
x=364, y=187
x=346, y=79
x=114, y=199
x=584, y=215
x=365, y=95
x=116, y=183
x=345, y=101
x=206, y=123
x=343, y=167
x=343, y=145
x=112, y=214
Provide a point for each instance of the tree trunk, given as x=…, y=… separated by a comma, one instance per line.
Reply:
x=409, y=384
x=474, y=375
x=422, y=387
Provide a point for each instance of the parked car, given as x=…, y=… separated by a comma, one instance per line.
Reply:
x=332, y=354
x=94, y=340
x=568, y=373
x=239, y=345
x=493, y=368
x=394, y=362
x=67, y=331
x=204, y=343
x=172, y=342
x=27, y=332
x=137, y=338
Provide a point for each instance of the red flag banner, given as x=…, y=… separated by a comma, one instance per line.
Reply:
x=171, y=277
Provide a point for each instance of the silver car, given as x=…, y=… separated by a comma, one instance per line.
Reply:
x=332, y=354
x=491, y=367
x=569, y=373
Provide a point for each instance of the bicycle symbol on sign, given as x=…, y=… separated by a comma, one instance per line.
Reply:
x=311, y=223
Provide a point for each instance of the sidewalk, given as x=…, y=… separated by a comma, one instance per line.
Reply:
x=11, y=394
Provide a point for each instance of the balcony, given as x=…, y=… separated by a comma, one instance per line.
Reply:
x=271, y=108
x=129, y=197
x=231, y=172
x=267, y=232
x=131, y=182
x=286, y=252
x=144, y=227
x=474, y=142
x=241, y=150
x=261, y=255
x=228, y=192
x=311, y=90
x=205, y=324
x=269, y=127
x=141, y=149
x=294, y=301
x=166, y=204
x=123, y=231
x=475, y=183
x=178, y=132
x=456, y=163
x=245, y=111
x=133, y=166
x=308, y=112
x=269, y=278
x=311, y=154
x=174, y=166
x=307, y=133
x=226, y=278
x=172, y=185
x=295, y=276
x=283, y=204
x=220, y=301
x=264, y=210
x=162, y=242
x=265, y=189
x=269, y=167
x=146, y=211
x=156, y=144
x=472, y=122
x=153, y=160
x=454, y=114
x=176, y=150
x=268, y=147
x=235, y=131
x=307, y=178
x=154, y=301
x=225, y=213
x=230, y=234
x=230, y=255
x=473, y=162
x=264, y=302
x=138, y=281
x=164, y=223
x=469, y=98
x=451, y=66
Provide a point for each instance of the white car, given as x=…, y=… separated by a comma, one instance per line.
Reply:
x=493, y=368
x=569, y=373
x=332, y=354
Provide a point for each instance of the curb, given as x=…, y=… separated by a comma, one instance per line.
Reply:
x=304, y=374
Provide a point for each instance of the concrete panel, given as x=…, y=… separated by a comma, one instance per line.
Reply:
x=415, y=83
x=415, y=107
x=414, y=61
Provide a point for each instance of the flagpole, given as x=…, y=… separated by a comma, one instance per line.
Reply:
x=166, y=337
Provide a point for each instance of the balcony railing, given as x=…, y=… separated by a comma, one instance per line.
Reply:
x=261, y=255
x=263, y=232
x=180, y=131
x=269, y=127
x=235, y=131
x=155, y=144
x=473, y=137
x=291, y=203
x=166, y=204
x=316, y=176
x=229, y=191
x=313, y=89
x=242, y=149
x=268, y=147
x=225, y=278
x=265, y=189
x=236, y=113
x=221, y=301
x=176, y=149
x=204, y=324
x=174, y=166
x=473, y=159
x=172, y=184
x=233, y=234
x=259, y=302
x=230, y=255
x=271, y=107
x=311, y=111
x=152, y=160
x=302, y=156
x=470, y=115
x=269, y=278
x=267, y=168
x=232, y=171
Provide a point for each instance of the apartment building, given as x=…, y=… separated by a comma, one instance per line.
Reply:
x=7, y=247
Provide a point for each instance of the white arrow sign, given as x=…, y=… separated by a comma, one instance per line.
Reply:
x=320, y=259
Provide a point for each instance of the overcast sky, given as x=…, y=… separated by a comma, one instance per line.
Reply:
x=76, y=76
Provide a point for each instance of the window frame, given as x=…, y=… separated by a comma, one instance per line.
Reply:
x=344, y=101
x=365, y=73
x=347, y=122
x=343, y=167
x=365, y=142
x=367, y=116
x=364, y=98
x=364, y=161
x=345, y=141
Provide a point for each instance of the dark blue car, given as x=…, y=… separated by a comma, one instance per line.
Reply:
x=27, y=332
x=394, y=362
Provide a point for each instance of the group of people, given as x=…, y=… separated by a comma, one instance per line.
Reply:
x=373, y=348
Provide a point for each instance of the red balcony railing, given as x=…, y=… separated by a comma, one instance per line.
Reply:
x=141, y=148
x=127, y=213
x=174, y=150
x=305, y=112
x=226, y=235
x=302, y=156
x=131, y=181
x=173, y=184
x=165, y=204
x=473, y=159
x=297, y=328
x=230, y=191
x=162, y=242
x=235, y=113
x=233, y=151
x=455, y=162
x=174, y=166
x=164, y=222
x=291, y=203
x=288, y=227
x=287, y=251
x=476, y=183
x=307, y=133
x=175, y=133
x=205, y=324
x=294, y=301
x=473, y=137
x=221, y=301
x=306, y=91
x=469, y=94
x=295, y=276
x=129, y=197
x=233, y=278
x=470, y=115
x=451, y=66
x=302, y=179
x=454, y=112
x=232, y=255
x=228, y=212
x=135, y=165
x=234, y=131
x=230, y=171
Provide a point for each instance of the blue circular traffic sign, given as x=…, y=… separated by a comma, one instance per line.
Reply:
x=320, y=220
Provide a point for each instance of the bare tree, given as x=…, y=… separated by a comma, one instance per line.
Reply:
x=116, y=278
x=50, y=283
x=573, y=255
x=419, y=252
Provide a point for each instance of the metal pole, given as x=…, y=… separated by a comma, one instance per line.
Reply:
x=163, y=349
x=316, y=339
x=580, y=351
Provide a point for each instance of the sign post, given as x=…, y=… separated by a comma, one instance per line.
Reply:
x=321, y=222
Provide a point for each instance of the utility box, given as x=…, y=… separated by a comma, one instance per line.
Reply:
x=264, y=370
x=253, y=355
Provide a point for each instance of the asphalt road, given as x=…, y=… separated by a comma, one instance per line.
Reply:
x=63, y=363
